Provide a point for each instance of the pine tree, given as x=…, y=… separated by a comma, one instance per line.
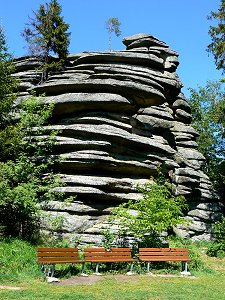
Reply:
x=217, y=33
x=46, y=34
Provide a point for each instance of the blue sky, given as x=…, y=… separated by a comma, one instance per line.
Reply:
x=182, y=24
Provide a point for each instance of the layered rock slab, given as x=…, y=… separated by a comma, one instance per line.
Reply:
x=119, y=115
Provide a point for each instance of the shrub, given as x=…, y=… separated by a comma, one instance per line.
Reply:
x=27, y=181
x=195, y=252
x=217, y=248
x=145, y=219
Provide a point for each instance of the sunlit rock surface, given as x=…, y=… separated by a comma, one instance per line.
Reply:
x=120, y=114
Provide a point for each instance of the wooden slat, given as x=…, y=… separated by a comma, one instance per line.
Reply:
x=105, y=260
x=163, y=249
x=46, y=249
x=94, y=250
x=165, y=258
x=55, y=254
x=163, y=254
x=58, y=260
x=108, y=254
x=119, y=250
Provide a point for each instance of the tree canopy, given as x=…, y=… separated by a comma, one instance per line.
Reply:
x=46, y=32
x=217, y=33
x=113, y=25
x=208, y=118
x=8, y=83
x=144, y=219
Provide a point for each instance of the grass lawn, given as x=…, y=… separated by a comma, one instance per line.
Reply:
x=205, y=284
x=202, y=287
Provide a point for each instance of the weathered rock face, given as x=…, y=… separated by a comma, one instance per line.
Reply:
x=120, y=114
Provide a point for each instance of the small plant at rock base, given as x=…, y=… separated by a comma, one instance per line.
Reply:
x=145, y=219
x=108, y=238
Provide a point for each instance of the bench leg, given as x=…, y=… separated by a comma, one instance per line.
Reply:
x=185, y=269
x=45, y=269
x=148, y=267
x=48, y=270
x=131, y=269
x=96, y=269
x=82, y=271
x=51, y=270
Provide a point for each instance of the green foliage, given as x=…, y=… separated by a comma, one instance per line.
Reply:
x=146, y=218
x=46, y=33
x=208, y=111
x=217, y=248
x=34, y=113
x=113, y=25
x=9, y=133
x=217, y=33
x=10, y=139
x=8, y=83
x=22, y=181
x=197, y=262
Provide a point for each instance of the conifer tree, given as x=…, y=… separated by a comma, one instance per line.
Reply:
x=46, y=33
x=7, y=82
x=217, y=33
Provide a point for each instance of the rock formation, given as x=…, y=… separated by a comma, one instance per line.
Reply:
x=120, y=114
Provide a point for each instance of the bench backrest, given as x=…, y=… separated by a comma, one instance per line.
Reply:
x=163, y=254
x=57, y=255
x=107, y=255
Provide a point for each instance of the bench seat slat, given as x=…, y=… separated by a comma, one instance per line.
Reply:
x=156, y=258
x=108, y=257
x=163, y=255
x=106, y=254
x=59, y=260
x=58, y=254
x=109, y=260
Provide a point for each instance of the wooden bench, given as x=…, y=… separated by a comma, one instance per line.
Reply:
x=48, y=257
x=103, y=255
x=163, y=255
